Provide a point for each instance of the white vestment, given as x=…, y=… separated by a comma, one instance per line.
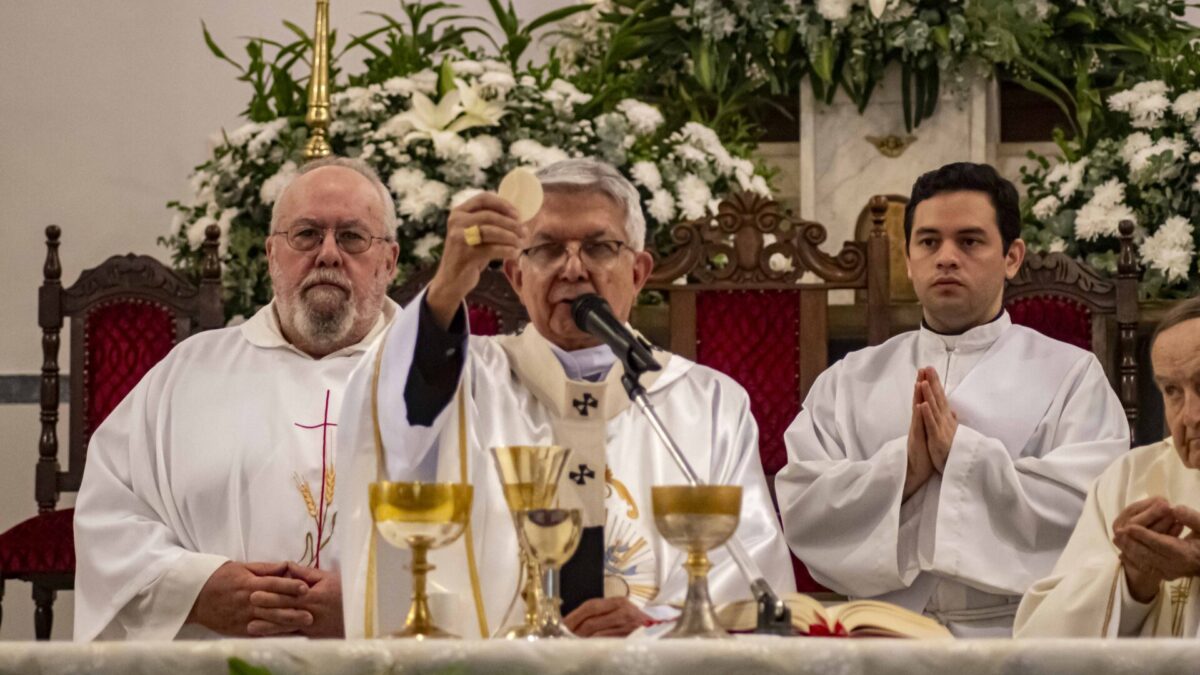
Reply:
x=707, y=413
x=1086, y=595
x=224, y=451
x=1037, y=421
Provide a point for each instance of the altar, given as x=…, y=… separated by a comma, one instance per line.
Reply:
x=746, y=655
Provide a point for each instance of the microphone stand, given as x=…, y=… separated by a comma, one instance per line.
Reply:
x=774, y=617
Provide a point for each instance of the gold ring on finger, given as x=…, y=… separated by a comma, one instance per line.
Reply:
x=473, y=236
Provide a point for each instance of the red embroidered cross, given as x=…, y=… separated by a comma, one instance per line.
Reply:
x=324, y=427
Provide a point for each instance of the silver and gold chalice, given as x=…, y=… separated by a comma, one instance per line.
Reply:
x=529, y=475
x=551, y=535
x=420, y=517
x=697, y=519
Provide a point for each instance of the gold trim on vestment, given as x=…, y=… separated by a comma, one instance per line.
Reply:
x=1108, y=611
x=472, y=570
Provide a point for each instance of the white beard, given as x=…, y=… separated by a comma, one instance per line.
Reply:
x=323, y=324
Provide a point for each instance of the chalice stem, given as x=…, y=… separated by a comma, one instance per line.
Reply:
x=533, y=596
x=698, y=618
x=419, y=619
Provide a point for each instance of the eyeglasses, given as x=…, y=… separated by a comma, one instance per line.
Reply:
x=591, y=253
x=350, y=240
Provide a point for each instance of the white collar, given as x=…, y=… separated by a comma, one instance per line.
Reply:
x=979, y=337
x=589, y=364
x=263, y=330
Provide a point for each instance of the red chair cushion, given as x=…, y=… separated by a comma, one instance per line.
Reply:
x=124, y=339
x=1059, y=318
x=751, y=336
x=484, y=320
x=43, y=544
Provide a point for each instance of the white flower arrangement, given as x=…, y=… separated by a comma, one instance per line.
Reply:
x=1148, y=176
x=435, y=146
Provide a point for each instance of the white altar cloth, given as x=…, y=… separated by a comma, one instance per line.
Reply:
x=744, y=656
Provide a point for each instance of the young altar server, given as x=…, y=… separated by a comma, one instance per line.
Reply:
x=1130, y=568
x=944, y=469
x=207, y=502
x=552, y=384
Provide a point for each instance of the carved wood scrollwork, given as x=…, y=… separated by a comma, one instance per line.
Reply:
x=1057, y=274
x=125, y=274
x=760, y=246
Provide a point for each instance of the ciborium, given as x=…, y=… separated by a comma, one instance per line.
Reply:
x=697, y=519
x=529, y=475
x=420, y=517
x=552, y=535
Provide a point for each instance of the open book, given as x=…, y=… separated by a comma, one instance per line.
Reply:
x=859, y=618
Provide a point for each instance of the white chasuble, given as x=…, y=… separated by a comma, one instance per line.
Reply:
x=1087, y=594
x=513, y=391
x=1037, y=422
x=224, y=451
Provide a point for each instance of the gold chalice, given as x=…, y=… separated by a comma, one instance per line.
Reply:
x=697, y=518
x=552, y=535
x=529, y=475
x=420, y=516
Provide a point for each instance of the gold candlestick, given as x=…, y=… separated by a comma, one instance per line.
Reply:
x=317, y=117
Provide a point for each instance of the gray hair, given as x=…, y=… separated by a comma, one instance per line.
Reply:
x=357, y=166
x=1183, y=311
x=594, y=175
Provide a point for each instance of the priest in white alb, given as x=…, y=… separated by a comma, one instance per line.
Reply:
x=944, y=470
x=208, y=500
x=1131, y=566
x=445, y=398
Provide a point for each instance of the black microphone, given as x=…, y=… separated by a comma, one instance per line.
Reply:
x=593, y=316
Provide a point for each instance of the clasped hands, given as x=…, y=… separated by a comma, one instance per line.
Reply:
x=930, y=432
x=1147, y=534
x=262, y=599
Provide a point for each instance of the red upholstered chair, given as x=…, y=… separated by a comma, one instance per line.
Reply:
x=739, y=304
x=125, y=315
x=1067, y=300
x=493, y=307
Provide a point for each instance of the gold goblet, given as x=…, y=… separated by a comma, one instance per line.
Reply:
x=529, y=475
x=697, y=519
x=420, y=516
x=552, y=536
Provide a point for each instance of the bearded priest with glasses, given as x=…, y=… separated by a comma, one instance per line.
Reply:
x=208, y=500
x=443, y=396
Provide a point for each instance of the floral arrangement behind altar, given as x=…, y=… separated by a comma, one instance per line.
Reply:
x=439, y=122
x=1145, y=168
x=722, y=60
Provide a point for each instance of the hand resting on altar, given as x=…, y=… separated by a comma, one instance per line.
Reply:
x=606, y=617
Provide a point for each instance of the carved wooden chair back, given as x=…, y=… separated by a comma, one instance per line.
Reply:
x=1070, y=301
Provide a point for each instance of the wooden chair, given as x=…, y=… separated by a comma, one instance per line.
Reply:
x=493, y=308
x=125, y=315
x=900, y=289
x=1067, y=300
x=748, y=295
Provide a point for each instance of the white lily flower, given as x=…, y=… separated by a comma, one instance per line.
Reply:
x=427, y=117
x=477, y=111
x=877, y=7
